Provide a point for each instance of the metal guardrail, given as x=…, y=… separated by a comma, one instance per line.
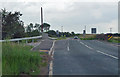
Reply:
x=52, y=38
x=18, y=39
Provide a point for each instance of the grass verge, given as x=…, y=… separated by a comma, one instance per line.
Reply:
x=87, y=38
x=18, y=59
x=114, y=41
x=61, y=38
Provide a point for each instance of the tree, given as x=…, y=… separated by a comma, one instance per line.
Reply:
x=37, y=26
x=12, y=26
x=29, y=27
x=51, y=33
x=73, y=33
x=46, y=26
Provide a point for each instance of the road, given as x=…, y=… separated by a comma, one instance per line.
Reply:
x=85, y=57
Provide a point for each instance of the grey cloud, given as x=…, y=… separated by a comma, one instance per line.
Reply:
x=73, y=16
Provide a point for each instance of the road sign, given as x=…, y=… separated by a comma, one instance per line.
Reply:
x=93, y=30
x=84, y=32
x=57, y=32
x=110, y=37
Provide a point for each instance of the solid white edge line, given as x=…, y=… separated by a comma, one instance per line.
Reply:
x=52, y=47
x=51, y=68
x=51, y=62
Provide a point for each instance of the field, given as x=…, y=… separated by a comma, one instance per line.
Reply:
x=87, y=37
x=19, y=59
x=115, y=40
x=93, y=36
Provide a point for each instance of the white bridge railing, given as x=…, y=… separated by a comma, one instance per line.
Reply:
x=18, y=39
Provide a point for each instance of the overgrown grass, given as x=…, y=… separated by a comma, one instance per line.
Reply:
x=18, y=59
x=88, y=37
x=28, y=41
x=0, y=58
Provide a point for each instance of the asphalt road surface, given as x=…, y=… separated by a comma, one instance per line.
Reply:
x=85, y=57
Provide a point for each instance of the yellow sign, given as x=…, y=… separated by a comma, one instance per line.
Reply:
x=109, y=37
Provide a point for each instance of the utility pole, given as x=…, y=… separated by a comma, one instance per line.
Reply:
x=84, y=32
x=62, y=30
x=85, y=29
x=110, y=30
x=41, y=20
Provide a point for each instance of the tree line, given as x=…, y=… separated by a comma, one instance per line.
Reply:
x=57, y=33
x=13, y=26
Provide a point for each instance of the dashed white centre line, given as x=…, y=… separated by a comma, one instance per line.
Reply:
x=86, y=45
x=107, y=54
x=68, y=46
x=101, y=51
x=82, y=43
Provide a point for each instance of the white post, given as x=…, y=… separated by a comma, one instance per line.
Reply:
x=18, y=42
x=32, y=40
x=26, y=41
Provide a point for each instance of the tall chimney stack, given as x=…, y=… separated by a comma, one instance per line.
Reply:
x=41, y=20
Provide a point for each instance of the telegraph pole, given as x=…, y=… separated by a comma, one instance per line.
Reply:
x=62, y=30
x=41, y=20
x=85, y=29
x=84, y=32
x=110, y=30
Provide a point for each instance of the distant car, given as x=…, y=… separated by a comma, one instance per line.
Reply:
x=76, y=37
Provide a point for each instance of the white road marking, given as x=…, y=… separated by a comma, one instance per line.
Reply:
x=100, y=51
x=86, y=45
x=51, y=62
x=82, y=43
x=52, y=48
x=90, y=48
x=51, y=68
x=35, y=46
x=43, y=40
x=68, y=46
x=107, y=54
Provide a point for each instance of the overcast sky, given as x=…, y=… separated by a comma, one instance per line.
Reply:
x=73, y=15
